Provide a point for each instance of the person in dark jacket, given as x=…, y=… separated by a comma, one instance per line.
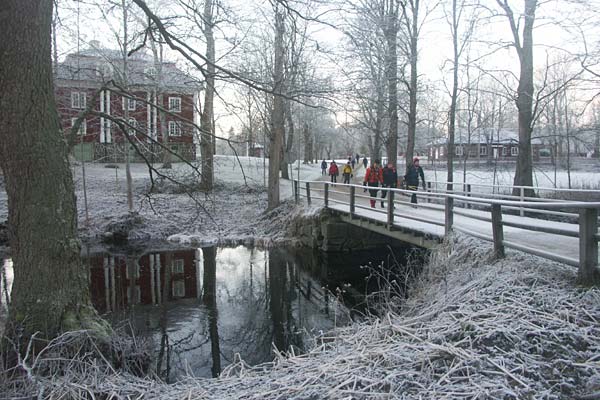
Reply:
x=373, y=178
x=413, y=172
x=390, y=179
x=324, y=167
x=365, y=162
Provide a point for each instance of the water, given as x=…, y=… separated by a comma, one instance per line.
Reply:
x=197, y=308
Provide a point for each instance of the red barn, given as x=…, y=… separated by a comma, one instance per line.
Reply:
x=157, y=103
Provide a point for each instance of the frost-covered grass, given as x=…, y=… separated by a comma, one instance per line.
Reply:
x=231, y=210
x=473, y=328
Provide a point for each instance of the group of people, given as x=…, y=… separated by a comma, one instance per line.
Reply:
x=347, y=169
x=387, y=177
x=377, y=176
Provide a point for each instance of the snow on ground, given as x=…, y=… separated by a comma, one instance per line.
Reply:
x=472, y=328
x=232, y=211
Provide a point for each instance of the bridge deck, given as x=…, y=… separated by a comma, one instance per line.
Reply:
x=424, y=225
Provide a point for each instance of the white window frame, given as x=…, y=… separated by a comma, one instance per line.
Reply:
x=78, y=100
x=483, y=151
x=458, y=150
x=178, y=288
x=442, y=150
x=130, y=103
x=514, y=151
x=178, y=266
x=82, y=131
x=504, y=151
x=175, y=104
x=174, y=128
x=133, y=122
x=151, y=71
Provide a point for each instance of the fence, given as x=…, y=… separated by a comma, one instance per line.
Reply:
x=344, y=197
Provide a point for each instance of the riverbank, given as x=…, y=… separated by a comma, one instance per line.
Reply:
x=472, y=328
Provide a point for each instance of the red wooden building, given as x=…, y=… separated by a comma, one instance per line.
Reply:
x=157, y=99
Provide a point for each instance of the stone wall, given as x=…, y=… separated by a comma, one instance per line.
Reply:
x=325, y=231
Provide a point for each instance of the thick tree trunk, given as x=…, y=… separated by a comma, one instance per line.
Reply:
x=206, y=118
x=277, y=118
x=50, y=290
x=308, y=144
x=412, y=95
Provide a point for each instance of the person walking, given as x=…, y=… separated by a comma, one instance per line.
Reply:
x=373, y=178
x=324, y=168
x=347, y=172
x=333, y=171
x=353, y=162
x=390, y=180
x=413, y=172
x=365, y=162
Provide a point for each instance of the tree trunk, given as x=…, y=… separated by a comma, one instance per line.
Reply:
x=391, y=36
x=50, y=291
x=524, y=168
x=277, y=118
x=288, y=143
x=206, y=118
x=412, y=111
x=308, y=147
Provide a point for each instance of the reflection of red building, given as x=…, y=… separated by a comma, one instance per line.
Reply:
x=118, y=281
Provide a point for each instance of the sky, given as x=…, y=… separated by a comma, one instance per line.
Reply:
x=558, y=26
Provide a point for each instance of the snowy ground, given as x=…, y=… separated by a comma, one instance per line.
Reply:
x=234, y=211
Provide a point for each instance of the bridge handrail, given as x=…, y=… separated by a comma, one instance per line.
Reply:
x=474, y=199
x=589, y=271
x=552, y=189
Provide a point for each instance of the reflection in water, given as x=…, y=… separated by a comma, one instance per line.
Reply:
x=200, y=307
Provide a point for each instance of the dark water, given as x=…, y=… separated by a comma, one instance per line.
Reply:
x=197, y=308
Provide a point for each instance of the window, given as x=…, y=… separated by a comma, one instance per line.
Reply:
x=483, y=150
x=134, y=124
x=514, y=151
x=82, y=128
x=151, y=71
x=77, y=99
x=178, y=267
x=545, y=153
x=442, y=151
x=503, y=150
x=458, y=150
x=130, y=103
x=179, y=288
x=175, y=104
x=174, y=128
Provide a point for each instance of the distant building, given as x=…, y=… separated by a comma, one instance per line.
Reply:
x=78, y=83
x=487, y=144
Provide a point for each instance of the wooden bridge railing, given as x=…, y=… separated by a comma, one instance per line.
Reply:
x=586, y=212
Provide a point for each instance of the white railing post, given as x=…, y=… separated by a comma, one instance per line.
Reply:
x=588, y=273
x=522, y=196
x=497, y=231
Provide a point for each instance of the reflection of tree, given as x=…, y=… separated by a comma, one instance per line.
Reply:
x=277, y=280
x=209, y=299
x=164, y=337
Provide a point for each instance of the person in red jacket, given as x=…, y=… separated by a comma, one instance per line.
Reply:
x=373, y=178
x=333, y=171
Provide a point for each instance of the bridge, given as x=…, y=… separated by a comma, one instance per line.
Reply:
x=564, y=231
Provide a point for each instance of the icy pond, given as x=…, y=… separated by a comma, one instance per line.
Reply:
x=197, y=309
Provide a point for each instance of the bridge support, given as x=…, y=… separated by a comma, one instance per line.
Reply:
x=588, y=273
